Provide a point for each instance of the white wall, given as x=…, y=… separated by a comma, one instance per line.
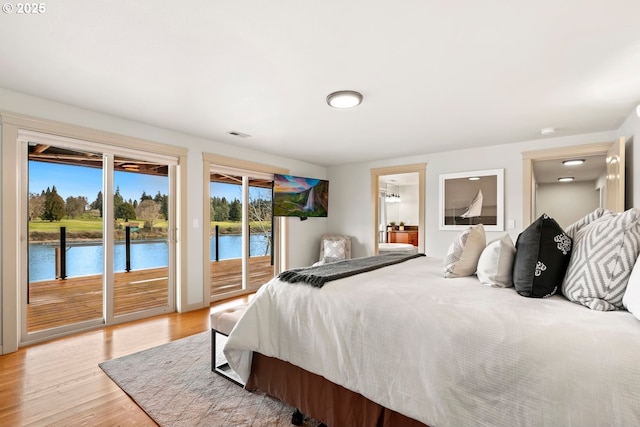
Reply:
x=630, y=129
x=408, y=211
x=350, y=198
x=304, y=236
x=567, y=202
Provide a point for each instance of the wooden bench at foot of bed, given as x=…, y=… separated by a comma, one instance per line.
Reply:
x=318, y=397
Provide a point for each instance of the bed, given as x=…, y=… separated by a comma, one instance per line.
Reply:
x=397, y=247
x=405, y=343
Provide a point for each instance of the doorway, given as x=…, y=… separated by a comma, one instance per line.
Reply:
x=244, y=244
x=607, y=179
x=99, y=248
x=386, y=188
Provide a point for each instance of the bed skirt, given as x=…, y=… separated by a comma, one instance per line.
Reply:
x=318, y=397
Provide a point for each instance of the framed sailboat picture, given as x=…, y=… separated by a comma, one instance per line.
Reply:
x=470, y=198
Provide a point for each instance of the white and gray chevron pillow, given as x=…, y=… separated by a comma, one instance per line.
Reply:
x=604, y=253
x=335, y=249
x=573, y=229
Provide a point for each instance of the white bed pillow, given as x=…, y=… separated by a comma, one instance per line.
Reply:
x=464, y=252
x=604, y=253
x=631, y=298
x=495, y=266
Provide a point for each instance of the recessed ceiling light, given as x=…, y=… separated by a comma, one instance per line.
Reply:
x=573, y=162
x=566, y=179
x=474, y=178
x=344, y=99
x=547, y=131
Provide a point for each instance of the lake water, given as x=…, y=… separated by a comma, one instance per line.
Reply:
x=87, y=259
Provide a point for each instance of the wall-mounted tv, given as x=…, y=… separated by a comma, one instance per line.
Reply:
x=301, y=197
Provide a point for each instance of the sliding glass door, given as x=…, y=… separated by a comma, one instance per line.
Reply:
x=101, y=227
x=141, y=235
x=241, y=241
x=65, y=274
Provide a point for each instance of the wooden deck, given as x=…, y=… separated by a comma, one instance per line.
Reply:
x=226, y=275
x=55, y=303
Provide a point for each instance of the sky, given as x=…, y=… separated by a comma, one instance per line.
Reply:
x=234, y=191
x=84, y=181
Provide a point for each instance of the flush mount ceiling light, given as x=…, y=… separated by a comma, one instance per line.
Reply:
x=474, y=178
x=573, y=162
x=547, y=131
x=566, y=179
x=344, y=99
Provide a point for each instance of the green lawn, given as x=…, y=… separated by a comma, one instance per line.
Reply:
x=79, y=225
x=96, y=225
x=232, y=227
x=71, y=224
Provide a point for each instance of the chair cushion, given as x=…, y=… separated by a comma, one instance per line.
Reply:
x=224, y=321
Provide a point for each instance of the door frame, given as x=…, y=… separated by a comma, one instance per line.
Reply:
x=376, y=173
x=243, y=168
x=13, y=238
x=529, y=157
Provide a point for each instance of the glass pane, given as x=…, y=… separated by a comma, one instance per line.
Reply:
x=261, y=268
x=65, y=248
x=226, y=233
x=141, y=245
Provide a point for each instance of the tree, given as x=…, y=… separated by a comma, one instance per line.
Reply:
x=219, y=209
x=260, y=218
x=148, y=211
x=163, y=201
x=53, y=205
x=118, y=200
x=145, y=196
x=75, y=206
x=36, y=205
x=235, y=211
x=125, y=211
x=97, y=203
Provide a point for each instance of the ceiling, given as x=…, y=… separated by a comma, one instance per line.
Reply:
x=435, y=76
x=548, y=171
x=400, y=179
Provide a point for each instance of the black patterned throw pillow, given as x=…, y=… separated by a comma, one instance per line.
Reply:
x=543, y=251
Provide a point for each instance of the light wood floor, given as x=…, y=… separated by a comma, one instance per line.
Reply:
x=59, y=382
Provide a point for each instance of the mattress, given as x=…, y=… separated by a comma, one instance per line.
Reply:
x=450, y=351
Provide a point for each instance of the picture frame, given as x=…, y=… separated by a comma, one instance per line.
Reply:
x=470, y=198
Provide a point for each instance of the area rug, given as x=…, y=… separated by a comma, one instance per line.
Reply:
x=174, y=385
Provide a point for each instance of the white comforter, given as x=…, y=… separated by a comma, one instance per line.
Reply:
x=451, y=352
